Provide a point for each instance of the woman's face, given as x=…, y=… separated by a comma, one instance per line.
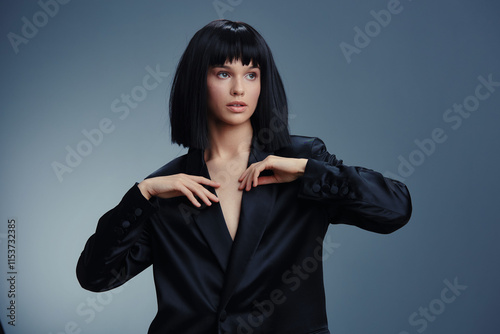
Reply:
x=233, y=92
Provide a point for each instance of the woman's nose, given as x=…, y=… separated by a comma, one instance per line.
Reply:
x=237, y=88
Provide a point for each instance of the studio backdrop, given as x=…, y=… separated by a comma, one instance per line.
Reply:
x=407, y=88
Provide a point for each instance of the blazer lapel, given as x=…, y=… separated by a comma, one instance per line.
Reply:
x=256, y=205
x=210, y=219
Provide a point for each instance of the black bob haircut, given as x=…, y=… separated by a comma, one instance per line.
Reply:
x=218, y=41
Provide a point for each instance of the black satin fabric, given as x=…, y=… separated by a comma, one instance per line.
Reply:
x=270, y=278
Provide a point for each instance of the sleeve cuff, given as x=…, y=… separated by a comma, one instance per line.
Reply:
x=322, y=181
x=131, y=212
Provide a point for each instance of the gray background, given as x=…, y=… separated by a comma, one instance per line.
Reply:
x=369, y=112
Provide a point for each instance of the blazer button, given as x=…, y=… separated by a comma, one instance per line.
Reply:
x=334, y=189
x=138, y=212
x=125, y=224
x=316, y=187
x=344, y=190
x=223, y=316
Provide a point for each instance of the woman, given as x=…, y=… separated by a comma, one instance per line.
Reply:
x=234, y=228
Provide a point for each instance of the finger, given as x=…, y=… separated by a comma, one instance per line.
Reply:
x=190, y=196
x=249, y=181
x=243, y=183
x=245, y=173
x=257, y=172
x=267, y=180
x=208, y=197
x=255, y=179
x=244, y=177
x=205, y=181
x=213, y=197
x=204, y=194
x=201, y=196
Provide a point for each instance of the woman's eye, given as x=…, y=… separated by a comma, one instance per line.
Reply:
x=252, y=76
x=222, y=75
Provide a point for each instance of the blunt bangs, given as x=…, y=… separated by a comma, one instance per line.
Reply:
x=235, y=43
x=213, y=45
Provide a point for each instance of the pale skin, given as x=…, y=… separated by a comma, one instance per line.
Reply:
x=230, y=135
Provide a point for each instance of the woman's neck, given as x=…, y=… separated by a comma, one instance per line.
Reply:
x=228, y=142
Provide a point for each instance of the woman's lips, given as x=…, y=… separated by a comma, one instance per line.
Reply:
x=237, y=106
x=236, y=109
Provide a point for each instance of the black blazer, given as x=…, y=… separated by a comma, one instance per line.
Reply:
x=270, y=279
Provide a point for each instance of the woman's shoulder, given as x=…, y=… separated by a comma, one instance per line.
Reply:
x=175, y=166
x=302, y=147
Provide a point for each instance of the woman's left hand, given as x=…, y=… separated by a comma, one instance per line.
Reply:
x=284, y=170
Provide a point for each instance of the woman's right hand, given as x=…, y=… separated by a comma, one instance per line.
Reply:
x=180, y=185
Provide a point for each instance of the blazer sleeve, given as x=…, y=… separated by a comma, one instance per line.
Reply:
x=355, y=195
x=120, y=247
